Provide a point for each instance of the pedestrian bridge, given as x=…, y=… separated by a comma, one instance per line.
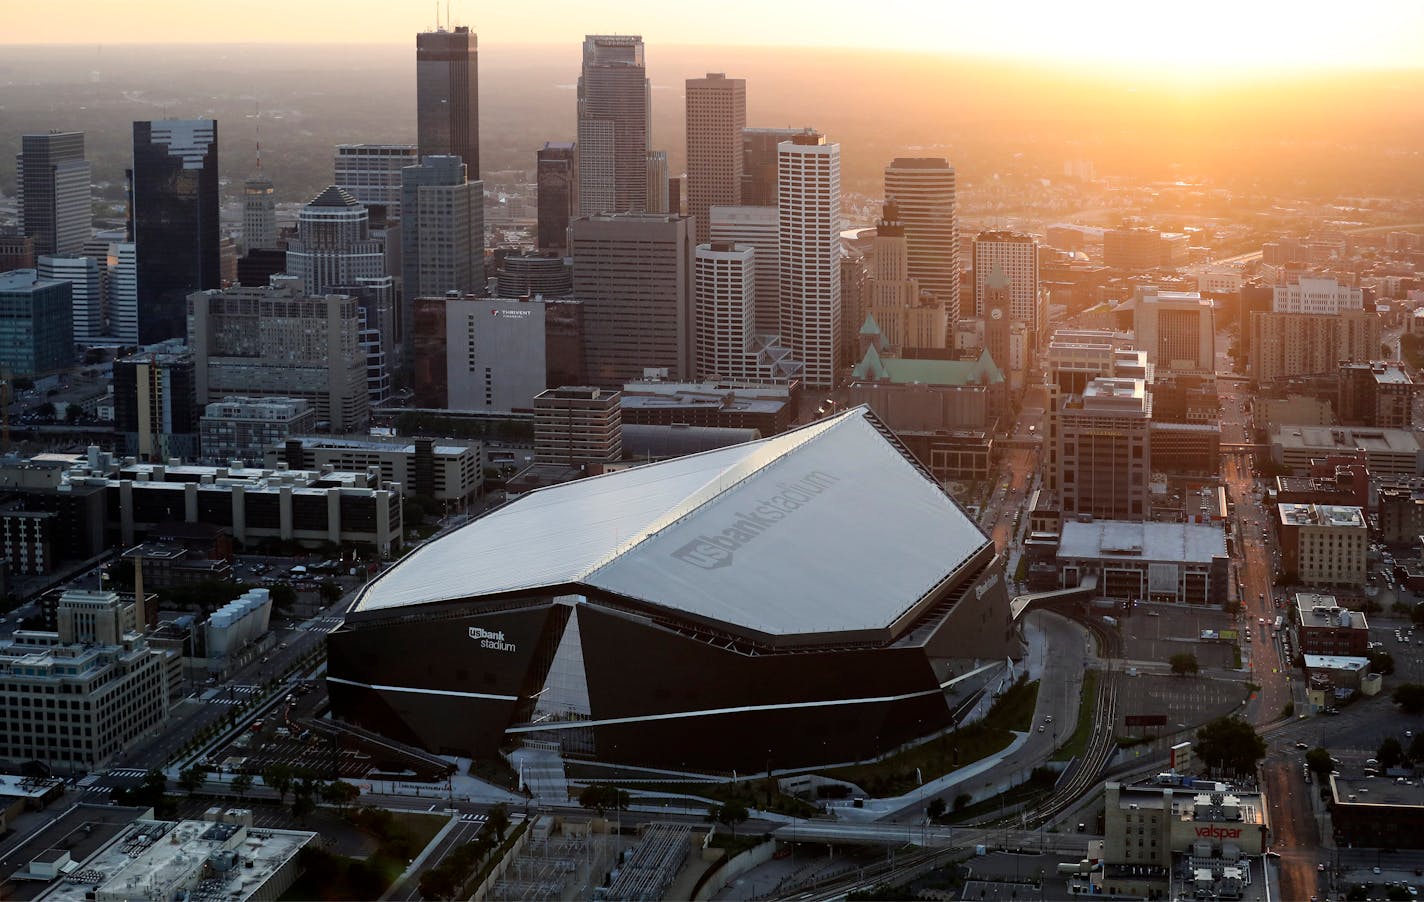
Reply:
x=1022, y=604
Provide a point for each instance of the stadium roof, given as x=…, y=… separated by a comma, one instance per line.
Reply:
x=827, y=528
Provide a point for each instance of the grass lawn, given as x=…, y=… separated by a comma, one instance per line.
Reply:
x=1079, y=740
x=422, y=827
x=897, y=774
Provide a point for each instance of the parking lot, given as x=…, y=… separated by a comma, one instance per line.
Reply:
x=1407, y=650
x=1155, y=632
x=1185, y=701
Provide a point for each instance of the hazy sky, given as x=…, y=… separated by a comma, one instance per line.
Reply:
x=1166, y=38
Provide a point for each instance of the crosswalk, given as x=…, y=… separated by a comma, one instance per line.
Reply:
x=326, y=624
x=234, y=695
x=128, y=773
x=474, y=818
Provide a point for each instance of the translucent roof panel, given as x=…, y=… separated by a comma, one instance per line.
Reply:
x=826, y=528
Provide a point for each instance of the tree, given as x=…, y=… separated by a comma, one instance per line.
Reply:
x=1319, y=762
x=1231, y=744
x=192, y=777
x=936, y=808
x=1410, y=697
x=1381, y=662
x=962, y=801
x=241, y=784
x=283, y=595
x=1390, y=753
x=730, y=814
x=340, y=793
x=1418, y=614
x=279, y=777
x=329, y=591
x=1184, y=663
x=73, y=413
x=1416, y=747
x=45, y=410
x=499, y=820
x=302, y=805
x=601, y=796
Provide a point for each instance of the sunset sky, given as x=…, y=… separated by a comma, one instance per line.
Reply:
x=1219, y=35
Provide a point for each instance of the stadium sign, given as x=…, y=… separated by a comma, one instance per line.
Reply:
x=493, y=640
x=713, y=550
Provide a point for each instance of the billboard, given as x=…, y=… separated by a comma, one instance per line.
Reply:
x=1145, y=720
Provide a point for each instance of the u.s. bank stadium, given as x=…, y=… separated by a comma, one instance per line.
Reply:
x=810, y=598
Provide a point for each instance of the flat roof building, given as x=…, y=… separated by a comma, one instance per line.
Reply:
x=447, y=470
x=1325, y=628
x=1323, y=544
x=1388, y=452
x=1147, y=561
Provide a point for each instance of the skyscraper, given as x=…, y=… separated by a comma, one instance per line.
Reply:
x=175, y=220
x=334, y=244
x=923, y=191
x=724, y=285
x=614, y=109
x=36, y=331
x=716, y=116
x=1017, y=255
x=755, y=227
x=633, y=273
x=121, y=292
x=657, y=182
x=52, y=183
x=1177, y=329
x=759, y=163
x=1105, y=450
x=447, y=88
x=86, y=293
x=557, y=176
x=442, y=234
x=809, y=198
x=371, y=173
x=259, y=214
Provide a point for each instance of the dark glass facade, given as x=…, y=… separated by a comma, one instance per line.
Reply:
x=174, y=185
x=447, y=76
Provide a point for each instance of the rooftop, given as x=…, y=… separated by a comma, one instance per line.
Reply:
x=1336, y=662
x=25, y=280
x=1323, y=611
x=859, y=534
x=1335, y=515
x=1355, y=788
x=1342, y=438
x=904, y=371
x=159, y=859
x=1193, y=543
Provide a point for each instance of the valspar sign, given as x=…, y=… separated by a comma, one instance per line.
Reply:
x=714, y=549
x=1215, y=832
x=493, y=640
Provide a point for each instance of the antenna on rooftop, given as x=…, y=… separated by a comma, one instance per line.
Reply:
x=258, y=116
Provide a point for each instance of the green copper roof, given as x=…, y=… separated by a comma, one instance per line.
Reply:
x=902, y=371
x=871, y=327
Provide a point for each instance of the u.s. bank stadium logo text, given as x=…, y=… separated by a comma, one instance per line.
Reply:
x=492, y=640
x=712, y=550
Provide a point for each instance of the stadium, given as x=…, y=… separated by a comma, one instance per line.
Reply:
x=806, y=599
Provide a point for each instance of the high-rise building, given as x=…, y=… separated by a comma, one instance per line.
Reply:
x=86, y=293
x=577, y=425
x=1376, y=393
x=175, y=220
x=442, y=234
x=658, y=182
x=334, y=244
x=725, y=289
x=909, y=319
x=1316, y=295
x=244, y=428
x=121, y=291
x=1177, y=329
x=614, y=133
x=259, y=214
x=716, y=116
x=556, y=174
x=1017, y=254
x=273, y=342
x=528, y=275
x=923, y=190
x=16, y=251
x=1136, y=248
x=371, y=173
x=759, y=166
x=633, y=273
x=52, y=188
x=1298, y=344
x=809, y=201
x=156, y=408
x=447, y=88
x=755, y=227
x=1105, y=451
x=36, y=329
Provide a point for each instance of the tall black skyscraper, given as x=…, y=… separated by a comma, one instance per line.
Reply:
x=174, y=184
x=557, y=175
x=447, y=89
x=52, y=179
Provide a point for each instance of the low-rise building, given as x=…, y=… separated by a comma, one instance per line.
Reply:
x=244, y=428
x=927, y=394
x=1378, y=393
x=769, y=409
x=1370, y=812
x=446, y=470
x=192, y=859
x=576, y=425
x=1323, y=544
x=1325, y=628
x=1173, y=562
x=1184, y=448
x=1388, y=452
